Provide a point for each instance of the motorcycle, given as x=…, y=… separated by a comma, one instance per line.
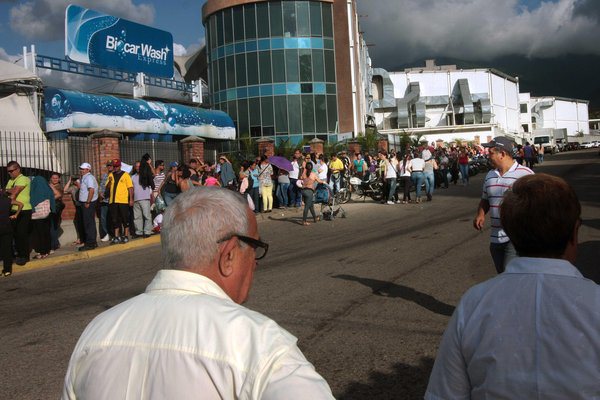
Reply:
x=372, y=187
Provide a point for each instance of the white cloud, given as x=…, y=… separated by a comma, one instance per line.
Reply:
x=408, y=30
x=179, y=50
x=8, y=57
x=44, y=19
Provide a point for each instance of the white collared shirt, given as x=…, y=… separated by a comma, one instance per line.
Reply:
x=529, y=333
x=184, y=338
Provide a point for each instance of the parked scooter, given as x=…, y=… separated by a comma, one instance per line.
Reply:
x=372, y=187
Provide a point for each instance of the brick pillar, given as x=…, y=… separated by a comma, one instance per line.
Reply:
x=105, y=146
x=316, y=146
x=383, y=144
x=353, y=148
x=192, y=147
x=266, y=147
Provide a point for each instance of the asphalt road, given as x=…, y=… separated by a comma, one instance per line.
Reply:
x=367, y=296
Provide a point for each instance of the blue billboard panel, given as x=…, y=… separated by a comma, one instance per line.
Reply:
x=92, y=37
x=77, y=111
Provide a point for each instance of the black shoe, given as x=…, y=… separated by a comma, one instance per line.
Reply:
x=124, y=239
x=115, y=240
x=21, y=261
x=88, y=247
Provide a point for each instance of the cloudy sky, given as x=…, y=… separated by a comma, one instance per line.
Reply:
x=401, y=31
x=478, y=29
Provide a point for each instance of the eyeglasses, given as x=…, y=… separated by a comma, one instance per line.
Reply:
x=260, y=247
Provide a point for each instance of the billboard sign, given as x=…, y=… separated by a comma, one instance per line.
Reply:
x=92, y=37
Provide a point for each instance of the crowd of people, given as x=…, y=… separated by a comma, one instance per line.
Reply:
x=130, y=203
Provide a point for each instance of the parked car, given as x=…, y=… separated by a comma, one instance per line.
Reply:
x=586, y=145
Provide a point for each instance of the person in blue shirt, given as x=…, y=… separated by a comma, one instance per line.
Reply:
x=532, y=331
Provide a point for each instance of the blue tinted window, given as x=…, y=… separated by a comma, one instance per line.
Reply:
x=277, y=43
x=250, y=21
x=328, y=44
x=289, y=18
x=306, y=88
x=262, y=19
x=242, y=93
x=253, y=91
x=240, y=48
x=221, y=52
x=316, y=28
x=264, y=44
x=302, y=19
x=291, y=65
x=251, y=45
x=319, y=88
x=231, y=94
x=293, y=88
x=316, y=43
x=229, y=50
x=276, y=19
x=238, y=23
x=266, y=90
x=279, y=89
x=304, y=43
x=290, y=43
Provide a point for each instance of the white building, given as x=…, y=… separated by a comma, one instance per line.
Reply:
x=444, y=103
x=554, y=113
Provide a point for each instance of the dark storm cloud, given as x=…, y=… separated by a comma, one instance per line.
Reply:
x=410, y=30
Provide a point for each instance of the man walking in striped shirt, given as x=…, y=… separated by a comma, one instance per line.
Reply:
x=496, y=183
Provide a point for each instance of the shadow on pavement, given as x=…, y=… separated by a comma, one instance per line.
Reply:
x=405, y=382
x=389, y=289
x=588, y=254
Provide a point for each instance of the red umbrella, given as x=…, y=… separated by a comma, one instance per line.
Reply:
x=281, y=162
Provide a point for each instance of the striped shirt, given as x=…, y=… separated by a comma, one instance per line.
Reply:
x=494, y=187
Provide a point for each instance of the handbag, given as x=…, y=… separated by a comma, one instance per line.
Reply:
x=42, y=210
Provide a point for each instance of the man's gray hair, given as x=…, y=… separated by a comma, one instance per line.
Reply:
x=196, y=220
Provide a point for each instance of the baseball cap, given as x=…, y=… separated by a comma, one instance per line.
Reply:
x=85, y=166
x=174, y=164
x=501, y=142
x=116, y=162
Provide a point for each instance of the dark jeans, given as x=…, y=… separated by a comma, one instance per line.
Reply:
x=21, y=228
x=309, y=197
x=105, y=225
x=6, y=249
x=254, y=193
x=295, y=196
x=502, y=254
x=40, y=235
x=444, y=177
x=89, y=223
x=407, y=184
x=282, y=194
x=78, y=222
x=391, y=182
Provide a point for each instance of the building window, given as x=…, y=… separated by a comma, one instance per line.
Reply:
x=316, y=28
x=276, y=19
x=278, y=59
x=525, y=128
x=523, y=108
x=302, y=15
x=262, y=19
x=289, y=19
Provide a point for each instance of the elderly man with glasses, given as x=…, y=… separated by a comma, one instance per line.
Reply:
x=19, y=188
x=188, y=336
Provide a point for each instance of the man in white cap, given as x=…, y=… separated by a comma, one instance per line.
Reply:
x=496, y=183
x=88, y=196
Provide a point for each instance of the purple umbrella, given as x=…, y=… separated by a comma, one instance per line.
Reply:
x=281, y=162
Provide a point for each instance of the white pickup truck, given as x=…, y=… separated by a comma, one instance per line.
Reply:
x=547, y=142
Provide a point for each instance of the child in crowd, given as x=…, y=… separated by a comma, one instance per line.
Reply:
x=211, y=180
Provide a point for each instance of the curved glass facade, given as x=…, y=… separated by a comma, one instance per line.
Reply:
x=271, y=67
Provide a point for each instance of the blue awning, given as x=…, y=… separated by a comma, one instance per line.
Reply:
x=77, y=111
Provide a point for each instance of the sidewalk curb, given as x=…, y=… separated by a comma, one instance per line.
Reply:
x=86, y=255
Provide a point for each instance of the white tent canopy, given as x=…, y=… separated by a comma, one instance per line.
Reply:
x=10, y=72
x=21, y=138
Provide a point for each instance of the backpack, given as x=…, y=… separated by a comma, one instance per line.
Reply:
x=322, y=194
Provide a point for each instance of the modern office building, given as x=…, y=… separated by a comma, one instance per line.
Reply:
x=554, y=112
x=287, y=69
